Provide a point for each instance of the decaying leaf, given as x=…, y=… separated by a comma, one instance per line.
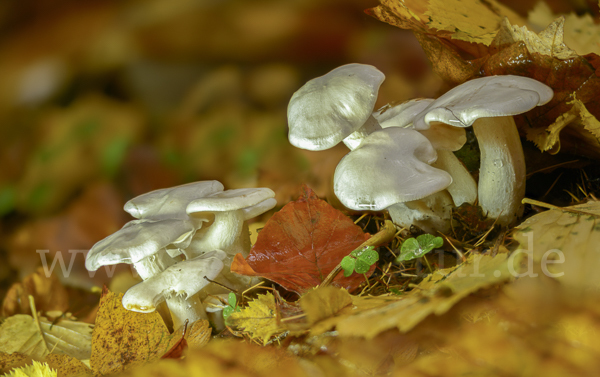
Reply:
x=47, y=291
x=259, y=318
x=123, y=338
x=435, y=295
x=514, y=50
x=228, y=358
x=581, y=33
x=564, y=242
x=472, y=21
x=68, y=366
x=301, y=244
x=20, y=333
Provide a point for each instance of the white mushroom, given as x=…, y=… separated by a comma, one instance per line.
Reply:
x=488, y=104
x=444, y=138
x=144, y=243
x=178, y=285
x=230, y=209
x=335, y=107
x=170, y=203
x=391, y=170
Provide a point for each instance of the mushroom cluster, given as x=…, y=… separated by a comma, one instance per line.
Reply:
x=401, y=157
x=183, y=238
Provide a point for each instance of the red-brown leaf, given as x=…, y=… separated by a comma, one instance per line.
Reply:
x=301, y=244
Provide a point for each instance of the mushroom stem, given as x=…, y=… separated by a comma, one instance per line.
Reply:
x=355, y=138
x=463, y=188
x=222, y=234
x=183, y=309
x=153, y=264
x=502, y=173
x=432, y=213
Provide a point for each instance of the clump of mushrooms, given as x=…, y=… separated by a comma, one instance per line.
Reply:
x=326, y=105
x=164, y=234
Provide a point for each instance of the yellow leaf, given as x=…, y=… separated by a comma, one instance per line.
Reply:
x=582, y=34
x=321, y=304
x=34, y=370
x=548, y=42
x=564, y=242
x=123, y=338
x=465, y=20
x=226, y=359
x=20, y=333
x=435, y=295
x=578, y=117
x=68, y=366
x=259, y=318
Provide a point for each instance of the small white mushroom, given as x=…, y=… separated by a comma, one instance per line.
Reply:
x=335, y=107
x=488, y=104
x=391, y=170
x=170, y=203
x=178, y=285
x=144, y=243
x=444, y=138
x=230, y=209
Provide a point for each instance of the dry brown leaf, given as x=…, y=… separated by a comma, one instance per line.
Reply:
x=122, y=338
x=13, y=360
x=47, y=291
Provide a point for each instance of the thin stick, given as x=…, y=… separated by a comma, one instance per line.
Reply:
x=550, y=206
x=37, y=321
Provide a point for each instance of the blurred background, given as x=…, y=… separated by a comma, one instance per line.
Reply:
x=101, y=101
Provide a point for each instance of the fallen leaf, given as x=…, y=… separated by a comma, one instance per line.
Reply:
x=228, y=358
x=258, y=319
x=67, y=366
x=47, y=291
x=20, y=333
x=13, y=360
x=301, y=244
x=580, y=31
x=564, y=243
x=472, y=21
x=122, y=338
x=514, y=50
x=434, y=295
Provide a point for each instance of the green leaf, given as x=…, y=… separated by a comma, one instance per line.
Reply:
x=227, y=312
x=361, y=266
x=429, y=242
x=369, y=256
x=358, y=252
x=348, y=264
x=232, y=300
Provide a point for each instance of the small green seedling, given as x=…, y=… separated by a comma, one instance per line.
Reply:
x=359, y=260
x=414, y=248
x=231, y=308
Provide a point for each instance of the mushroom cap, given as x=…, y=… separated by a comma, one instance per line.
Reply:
x=231, y=200
x=329, y=108
x=390, y=166
x=139, y=239
x=485, y=97
x=401, y=115
x=185, y=278
x=170, y=203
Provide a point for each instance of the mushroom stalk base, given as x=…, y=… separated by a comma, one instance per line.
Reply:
x=502, y=173
x=182, y=309
x=432, y=214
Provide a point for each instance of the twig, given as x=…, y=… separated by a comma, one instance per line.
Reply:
x=37, y=321
x=550, y=206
